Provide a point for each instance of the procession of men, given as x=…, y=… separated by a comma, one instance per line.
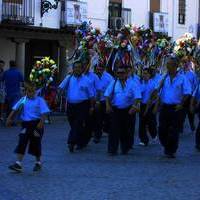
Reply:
x=113, y=81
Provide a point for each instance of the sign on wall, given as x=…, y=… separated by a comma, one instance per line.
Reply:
x=76, y=12
x=160, y=22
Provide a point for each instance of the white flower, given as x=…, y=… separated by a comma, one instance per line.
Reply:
x=189, y=49
x=50, y=79
x=40, y=72
x=33, y=71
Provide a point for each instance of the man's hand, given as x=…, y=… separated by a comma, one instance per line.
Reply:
x=9, y=122
x=91, y=111
x=133, y=110
x=108, y=109
x=40, y=125
x=179, y=107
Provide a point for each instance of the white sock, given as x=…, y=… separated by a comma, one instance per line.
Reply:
x=19, y=163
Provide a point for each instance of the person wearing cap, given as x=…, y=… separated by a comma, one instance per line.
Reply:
x=32, y=110
x=101, y=119
x=147, y=119
x=174, y=92
x=122, y=99
x=190, y=75
x=80, y=102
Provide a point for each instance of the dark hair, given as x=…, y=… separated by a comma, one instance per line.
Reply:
x=174, y=60
x=12, y=63
x=2, y=62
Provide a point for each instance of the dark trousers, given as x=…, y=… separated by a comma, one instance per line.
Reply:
x=28, y=137
x=77, y=116
x=121, y=126
x=186, y=112
x=197, y=136
x=169, y=126
x=147, y=121
x=101, y=121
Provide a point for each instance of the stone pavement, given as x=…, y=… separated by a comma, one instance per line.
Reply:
x=144, y=174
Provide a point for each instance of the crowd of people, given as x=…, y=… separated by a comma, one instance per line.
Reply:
x=99, y=102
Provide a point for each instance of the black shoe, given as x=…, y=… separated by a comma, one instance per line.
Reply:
x=96, y=141
x=16, y=167
x=169, y=155
x=112, y=153
x=71, y=148
x=193, y=128
x=79, y=147
x=124, y=152
x=197, y=148
x=37, y=167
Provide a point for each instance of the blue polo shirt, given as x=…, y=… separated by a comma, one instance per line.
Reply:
x=32, y=109
x=191, y=77
x=102, y=84
x=123, y=97
x=173, y=92
x=78, y=89
x=12, y=78
x=147, y=87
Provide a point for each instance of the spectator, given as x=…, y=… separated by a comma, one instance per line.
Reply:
x=12, y=78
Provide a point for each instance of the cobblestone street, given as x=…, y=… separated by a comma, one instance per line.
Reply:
x=144, y=174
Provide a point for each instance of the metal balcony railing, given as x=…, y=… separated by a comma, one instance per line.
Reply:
x=18, y=12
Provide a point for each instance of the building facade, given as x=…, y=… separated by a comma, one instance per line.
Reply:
x=32, y=29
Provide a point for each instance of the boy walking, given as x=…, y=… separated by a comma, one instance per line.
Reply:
x=32, y=113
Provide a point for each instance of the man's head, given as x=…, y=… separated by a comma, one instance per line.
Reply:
x=30, y=89
x=172, y=65
x=187, y=64
x=77, y=68
x=121, y=73
x=100, y=68
x=153, y=70
x=2, y=64
x=146, y=74
x=12, y=63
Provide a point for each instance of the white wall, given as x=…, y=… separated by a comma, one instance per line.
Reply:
x=175, y=29
x=50, y=19
x=140, y=11
x=98, y=13
x=7, y=51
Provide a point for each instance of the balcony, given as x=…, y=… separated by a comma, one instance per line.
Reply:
x=18, y=12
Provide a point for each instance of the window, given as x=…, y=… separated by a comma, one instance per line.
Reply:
x=181, y=11
x=126, y=14
x=13, y=1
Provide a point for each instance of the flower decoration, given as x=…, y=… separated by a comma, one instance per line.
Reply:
x=43, y=72
x=185, y=45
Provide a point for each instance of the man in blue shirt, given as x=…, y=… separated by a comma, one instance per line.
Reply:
x=80, y=102
x=147, y=118
x=13, y=79
x=192, y=79
x=32, y=110
x=122, y=98
x=174, y=92
x=101, y=119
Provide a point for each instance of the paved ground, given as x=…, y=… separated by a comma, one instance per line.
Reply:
x=92, y=175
